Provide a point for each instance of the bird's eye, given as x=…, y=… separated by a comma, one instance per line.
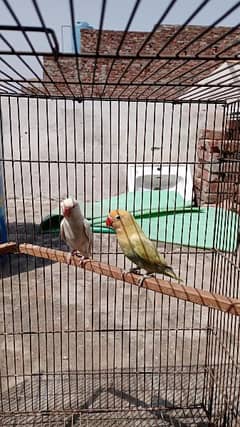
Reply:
x=117, y=217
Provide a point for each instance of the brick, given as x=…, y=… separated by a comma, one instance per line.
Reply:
x=233, y=126
x=203, y=189
x=229, y=146
x=232, y=167
x=229, y=204
x=198, y=199
x=212, y=187
x=207, y=187
x=200, y=172
x=237, y=195
x=227, y=188
x=211, y=145
x=212, y=198
x=214, y=149
x=211, y=192
x=233, y=133
x=212, y=177
x=213, y=167
x=208, y=198
x=203, y=155
x=231, y=177
x=198, y=183
x=206, y=175
x=203, y=198
x=210, y=134
x=207, y=156
x=155, y=71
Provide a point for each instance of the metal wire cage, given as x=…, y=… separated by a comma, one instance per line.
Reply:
x=130, y=116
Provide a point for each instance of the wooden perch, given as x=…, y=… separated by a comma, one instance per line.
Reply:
x=6, y=248
x=182, y=292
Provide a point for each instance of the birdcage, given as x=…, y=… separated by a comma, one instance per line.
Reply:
x=145, y=121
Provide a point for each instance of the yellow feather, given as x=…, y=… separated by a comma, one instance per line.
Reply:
x=136, y=246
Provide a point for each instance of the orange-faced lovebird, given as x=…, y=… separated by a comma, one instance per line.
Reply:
x=136, y=246
x=75, y=229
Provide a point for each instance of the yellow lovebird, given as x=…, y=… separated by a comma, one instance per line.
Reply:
x=136, y=246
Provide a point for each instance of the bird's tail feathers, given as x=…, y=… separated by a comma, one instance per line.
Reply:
x=169, y=272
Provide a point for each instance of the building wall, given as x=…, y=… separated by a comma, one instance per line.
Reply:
x=147, y=72
x=86, y=147
x=180, y=128
x=217, y=174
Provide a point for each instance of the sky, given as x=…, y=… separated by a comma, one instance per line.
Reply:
x=56, y=14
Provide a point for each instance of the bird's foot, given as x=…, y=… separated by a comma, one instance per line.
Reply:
x=82, y=259
x=145, y=276
x=76, y=252
x=79, y=255
x=134, y=270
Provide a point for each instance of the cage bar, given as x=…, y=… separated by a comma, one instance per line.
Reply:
x=140, y=110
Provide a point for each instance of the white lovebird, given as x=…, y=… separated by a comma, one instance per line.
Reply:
x=75, y=229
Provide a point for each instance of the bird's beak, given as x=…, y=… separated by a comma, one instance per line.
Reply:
x=67, y=212
x=109, y=221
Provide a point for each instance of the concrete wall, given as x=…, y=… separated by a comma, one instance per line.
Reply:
x=54, y=148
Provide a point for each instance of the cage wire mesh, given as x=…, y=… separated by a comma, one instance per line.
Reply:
x=150, y=111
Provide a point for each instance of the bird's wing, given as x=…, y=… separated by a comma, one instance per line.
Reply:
x=88, y=232
x=145, y=249
x=62, y=232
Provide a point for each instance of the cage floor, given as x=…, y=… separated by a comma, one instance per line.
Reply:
x=171, y=397
x=181, y=418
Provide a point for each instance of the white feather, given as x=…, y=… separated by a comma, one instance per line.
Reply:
x=68, y=203
x=75, y=230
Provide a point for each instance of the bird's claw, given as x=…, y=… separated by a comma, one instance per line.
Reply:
x=134, y=270
x=76, y=252
x=79, y=255
x=145, y=276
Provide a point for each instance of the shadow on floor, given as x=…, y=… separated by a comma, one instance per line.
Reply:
x=12, y=264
